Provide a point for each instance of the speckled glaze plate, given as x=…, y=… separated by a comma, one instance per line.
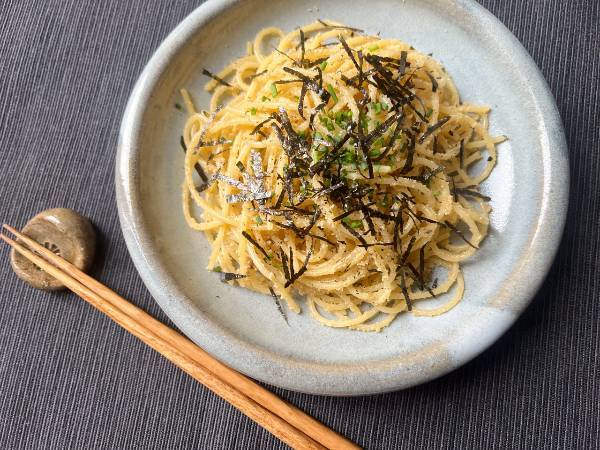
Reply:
x=244, y=329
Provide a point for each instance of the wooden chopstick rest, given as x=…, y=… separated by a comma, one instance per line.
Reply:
x=65, y=233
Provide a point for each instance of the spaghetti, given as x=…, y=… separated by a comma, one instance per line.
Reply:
x=343, y=168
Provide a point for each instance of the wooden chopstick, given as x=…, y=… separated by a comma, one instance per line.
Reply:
x=271, y=422
x=182, y=351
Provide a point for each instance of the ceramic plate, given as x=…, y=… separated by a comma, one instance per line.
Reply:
x=244, y=329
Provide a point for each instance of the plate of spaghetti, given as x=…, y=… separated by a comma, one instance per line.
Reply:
x=342, y=201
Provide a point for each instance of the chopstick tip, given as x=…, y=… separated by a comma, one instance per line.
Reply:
x=8, y=227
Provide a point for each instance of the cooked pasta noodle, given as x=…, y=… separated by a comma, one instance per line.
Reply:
x=342, y=169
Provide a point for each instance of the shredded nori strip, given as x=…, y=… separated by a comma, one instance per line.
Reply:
x=398, y=225
x=375, y=244
x=339, y=27
x=459, y=233
x=461, y=153
x=409, y=155
x=257, y=128
x=301, y=100
x=330, y=189
x=470, y=193
x=256, y=244
x=433, y=128
x=406, y=253
x=405, y=292
x=434, y=83
x=367, y=216
x=228, y=276
x=346, y=214
x=278, y=303
x=197, y=166
x=353, y=232
x=422, y=266
x=426, y=177
x=350, y=54
x=304, y=212
x=390, y=144
x=256, y=75
x=323, y=238
x=403, y=64
x=284, y=263
x=280, y=199
x=415, y=275
x=454, y=194
x=303, y=49
x=304, y=268
x=216, y=78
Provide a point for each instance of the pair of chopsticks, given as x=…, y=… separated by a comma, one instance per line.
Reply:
x=283, y=420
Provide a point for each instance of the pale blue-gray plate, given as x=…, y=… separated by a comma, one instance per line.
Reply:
x=529, y=190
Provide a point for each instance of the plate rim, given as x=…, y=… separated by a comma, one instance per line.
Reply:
x=315, y=378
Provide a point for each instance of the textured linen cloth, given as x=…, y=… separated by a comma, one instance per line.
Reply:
x=70, y=378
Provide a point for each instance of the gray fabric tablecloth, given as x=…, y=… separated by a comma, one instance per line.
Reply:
x=70, y=378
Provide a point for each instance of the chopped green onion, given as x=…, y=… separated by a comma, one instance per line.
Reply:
x=332, y=92
x=429, y=113
x=265, y=98
x=352, y=223
x=372, y=48
x=323, y=65
x=385, y=202
x=327, y=122
x=364, y=123
x=253, y=111
x=348, y=157
x=178, y=106
x=217, y=269
x=317, y=155
x=385, y=106
x=258, y=220
x=377, y=107
x=274, y=90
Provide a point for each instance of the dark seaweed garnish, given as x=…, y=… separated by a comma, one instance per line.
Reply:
x=216, y=78
x=453, y=189
x=405, y=292
x=228, y=276
x=256, y=75
x=434, y=83
x=471, y=193
x=256, y=129
x=409, y=155
x=339, y=27
x=256, y=244
x=461, y=153
x=459, y=233
x=278, y=303
x=295, y=275
x=375, y=244
x=430, y=130
x=197, y=166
